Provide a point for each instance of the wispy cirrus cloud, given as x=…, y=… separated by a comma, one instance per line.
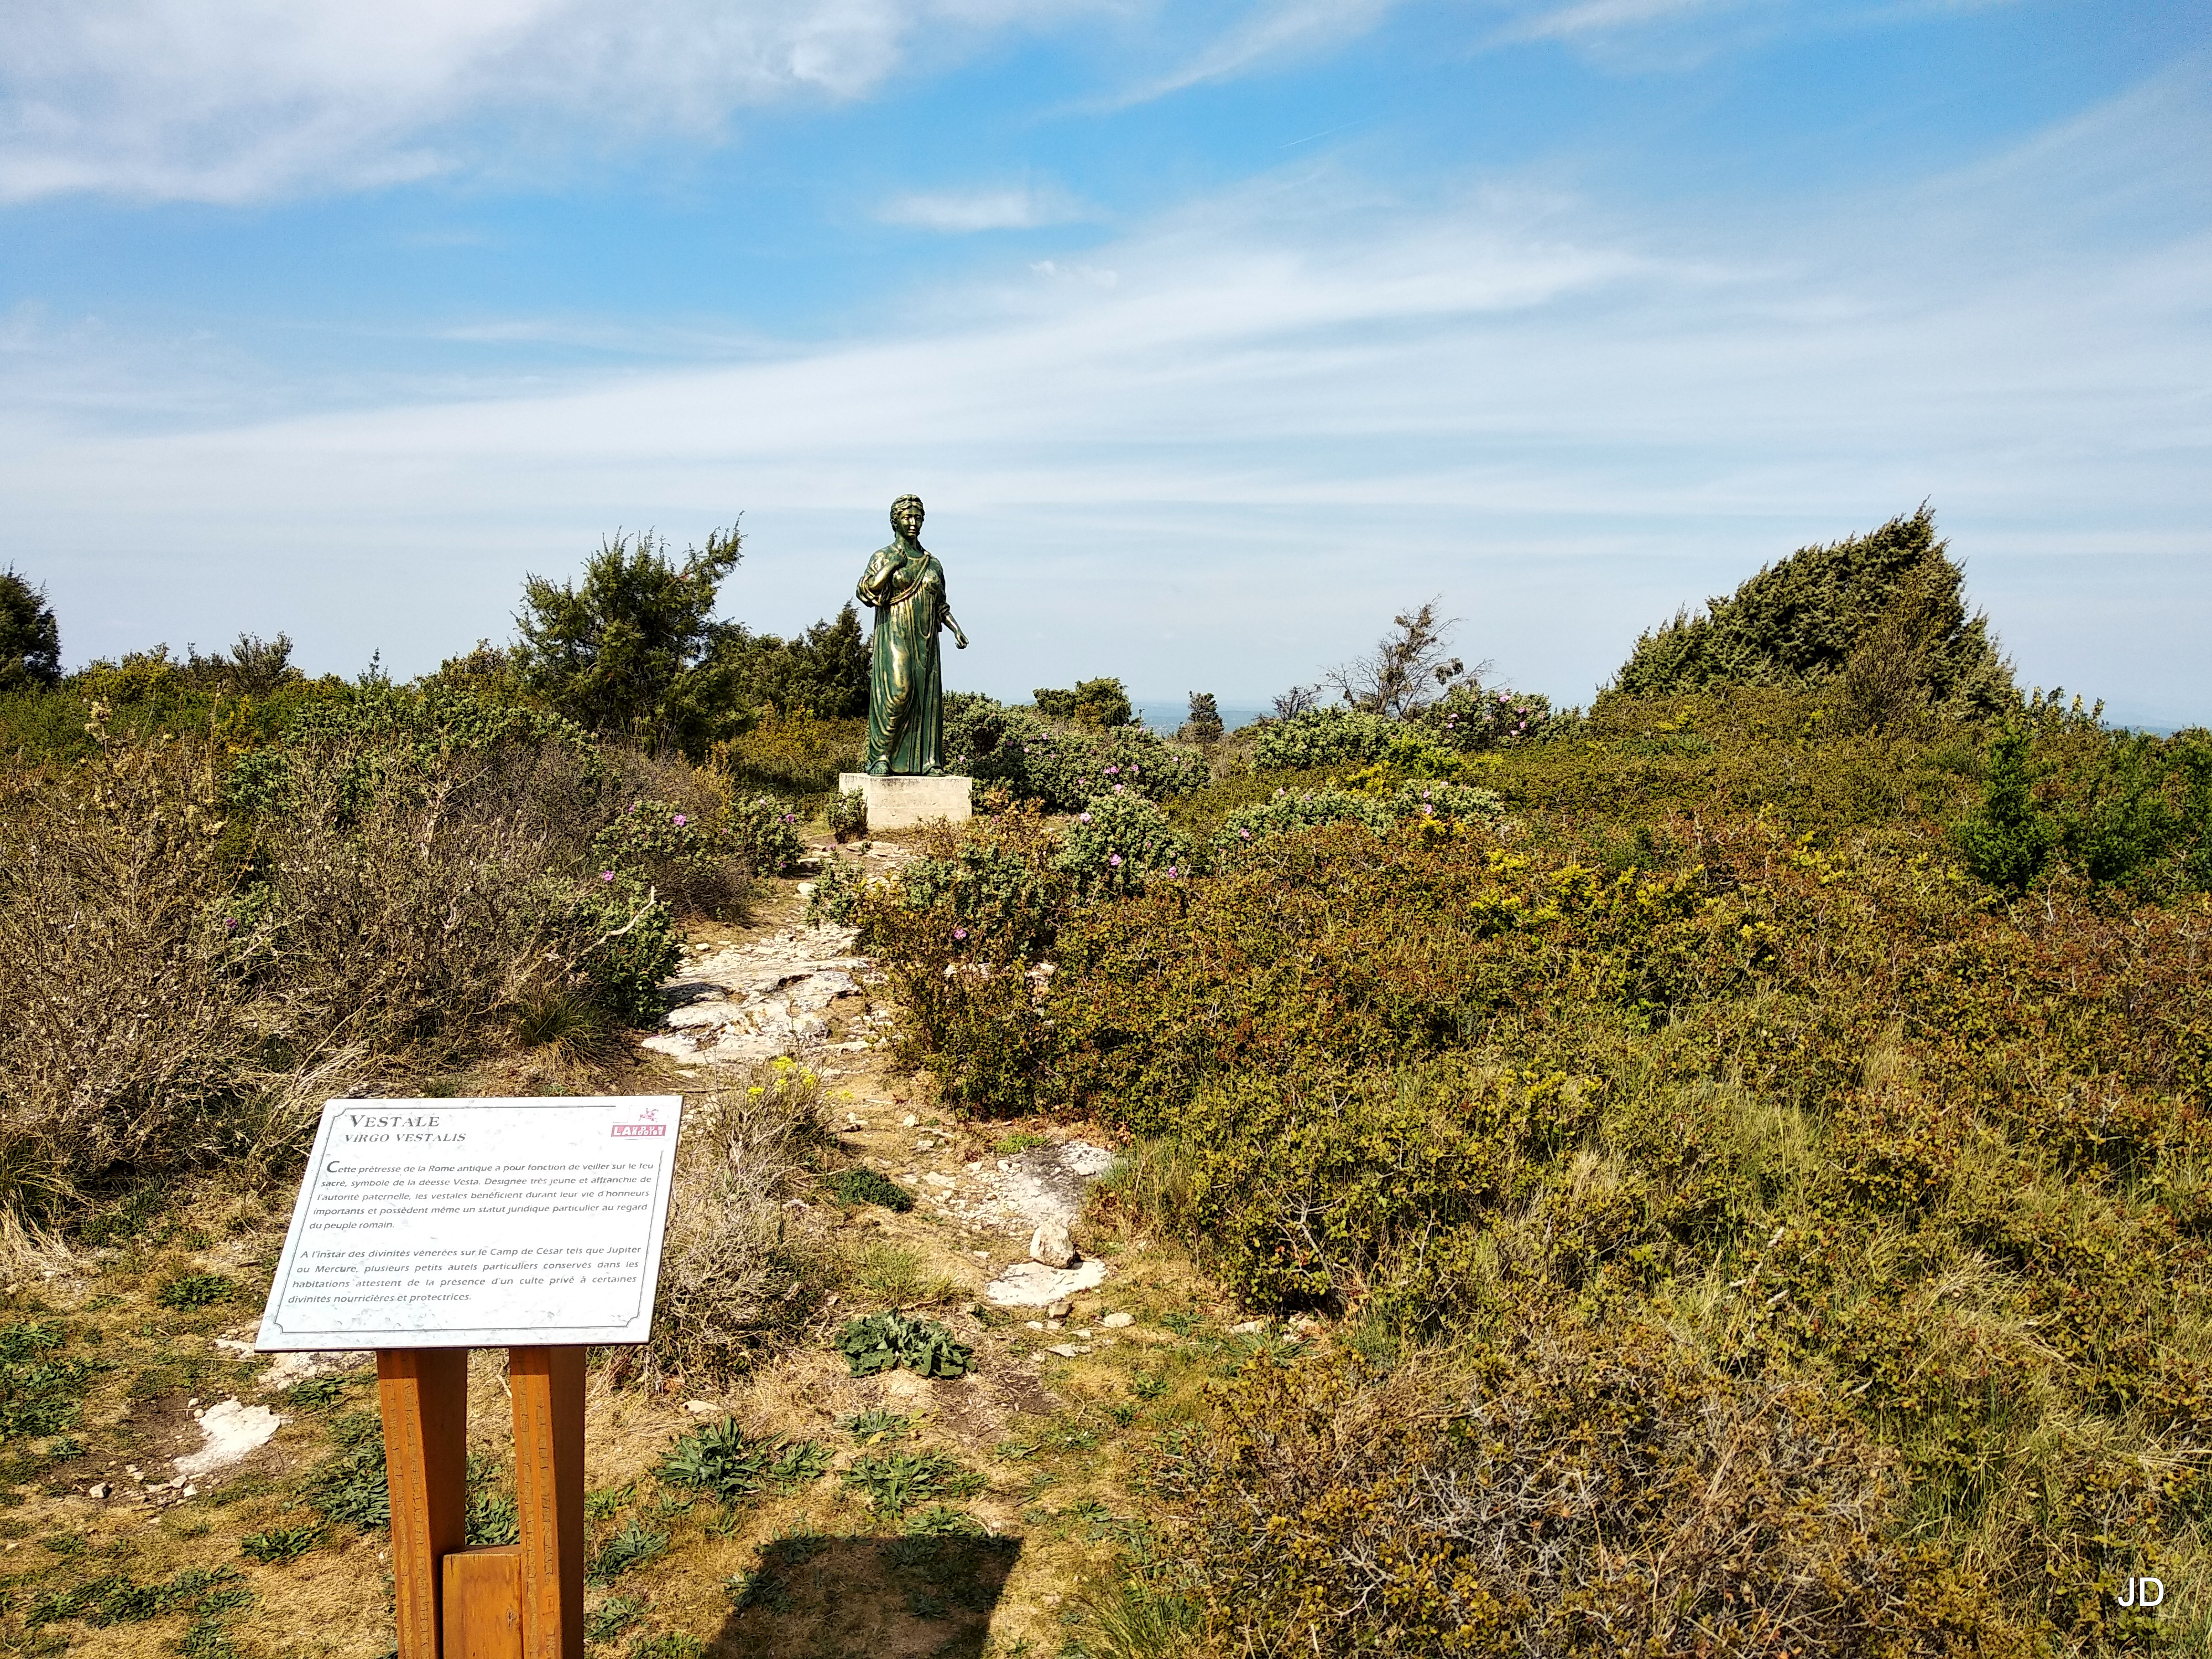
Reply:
x=1683, y=33
x=1019, y=207
x=1274, y=31
x=239, y=101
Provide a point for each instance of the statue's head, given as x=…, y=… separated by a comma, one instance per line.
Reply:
x=906, y=516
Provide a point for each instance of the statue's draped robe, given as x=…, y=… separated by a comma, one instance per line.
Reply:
x=906, y=724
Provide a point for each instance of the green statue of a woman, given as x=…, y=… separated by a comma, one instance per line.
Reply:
x=906, y=688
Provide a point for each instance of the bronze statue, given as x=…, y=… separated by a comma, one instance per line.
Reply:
x=906, y=688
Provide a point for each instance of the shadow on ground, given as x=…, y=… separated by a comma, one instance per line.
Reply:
x=816, y=1597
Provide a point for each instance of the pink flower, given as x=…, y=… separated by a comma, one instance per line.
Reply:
x=1119, y=788
x=1245, y=833
x=1173, y=871
x=1114, y=859
x=960, y=932
x=1083, y=817
x=680, y=820
x=606, y=875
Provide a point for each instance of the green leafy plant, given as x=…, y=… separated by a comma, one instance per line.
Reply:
x=893, y=1482
x=278, y=1545
x=862, y=1185
x=887, y=1341
x=877, y=1424
x=350, y=1486
x=41, y=1390
x=721, y=1460
x=632, y=1546
x=613, y=1616
x=188, y=1290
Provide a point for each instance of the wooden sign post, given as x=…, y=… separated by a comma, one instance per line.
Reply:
x=427, y=1228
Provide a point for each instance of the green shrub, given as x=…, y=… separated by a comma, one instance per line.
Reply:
x=1063, y=769
x=1118, y=843
x=797, y=755
x=1298, y=1192
x=684, y=855
x=1475, y=719
x=30, y=639
x=833, y=897
x=1304, y=809
x=1101, y=703
x=1334, y=736
x=630, y=650
x=1869, y=610
x=623, y=941
x=848, y=815
x=2008, y=841
x=764, y=832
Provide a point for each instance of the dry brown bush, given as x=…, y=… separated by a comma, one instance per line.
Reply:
x=182, y=985
x=740, y=1265
x=412, y=920
x=1588, y=1493
x=127, y=1036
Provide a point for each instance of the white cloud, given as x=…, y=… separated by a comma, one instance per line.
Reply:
x=231, y=100
x=1271, y=32
x=1015, y=208
x=1297, y=408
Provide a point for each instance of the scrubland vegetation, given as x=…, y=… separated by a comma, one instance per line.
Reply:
x=1745, y=1141
x=1752, y=1133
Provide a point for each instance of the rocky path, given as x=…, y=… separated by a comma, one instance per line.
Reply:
x=787, y=989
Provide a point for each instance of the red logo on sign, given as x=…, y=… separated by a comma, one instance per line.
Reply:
x=627, y=1131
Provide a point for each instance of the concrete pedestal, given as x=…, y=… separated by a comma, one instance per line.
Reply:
x=899, y=803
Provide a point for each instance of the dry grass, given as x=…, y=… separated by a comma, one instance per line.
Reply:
x=743, y=1264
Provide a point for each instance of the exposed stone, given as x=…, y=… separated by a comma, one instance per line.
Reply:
x=229, y=1431
x=103, y=1491
x=1051, y=1245
x=1114, y=1321
x=1059, y=1310
x=1068, y=1350
x=1029, y=1284
x=1250, y=1327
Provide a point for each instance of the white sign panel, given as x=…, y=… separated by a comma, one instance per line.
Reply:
x=477, y=1224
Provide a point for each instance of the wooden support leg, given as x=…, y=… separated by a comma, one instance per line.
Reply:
x=424, y=1395
x=484, y=1602
x=548, y=1385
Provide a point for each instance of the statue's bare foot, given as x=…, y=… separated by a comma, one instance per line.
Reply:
x=880, y=770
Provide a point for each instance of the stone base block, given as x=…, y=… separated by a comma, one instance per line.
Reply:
x=899, y=803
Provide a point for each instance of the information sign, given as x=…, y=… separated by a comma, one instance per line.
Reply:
x=461, y=1224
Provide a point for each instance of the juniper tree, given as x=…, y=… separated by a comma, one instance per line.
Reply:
x=30, y=639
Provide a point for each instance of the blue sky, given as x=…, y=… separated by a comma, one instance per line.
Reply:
x=1212, y=334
